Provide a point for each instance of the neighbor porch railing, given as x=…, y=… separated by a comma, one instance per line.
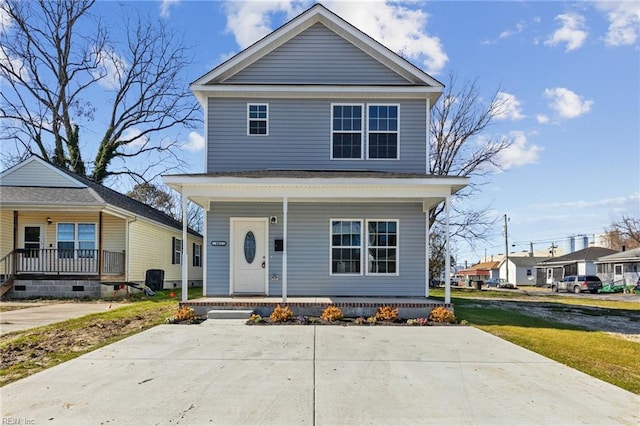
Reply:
x=57, y=261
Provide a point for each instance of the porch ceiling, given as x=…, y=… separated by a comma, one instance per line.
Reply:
x=317, y=187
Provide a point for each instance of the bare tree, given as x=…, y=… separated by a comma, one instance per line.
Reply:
x=624, y=233
x=167, y=201
x=458, y=120
x=51, y=66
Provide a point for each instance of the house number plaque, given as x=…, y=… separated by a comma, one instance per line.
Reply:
x=218, y=243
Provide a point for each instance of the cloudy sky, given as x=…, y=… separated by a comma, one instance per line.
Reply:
x=567, y=71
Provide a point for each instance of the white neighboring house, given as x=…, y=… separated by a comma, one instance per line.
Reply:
x=522, y=270
x=620, y=268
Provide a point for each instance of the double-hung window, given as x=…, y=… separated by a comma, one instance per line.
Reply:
x=258, y=119
x=76, y=236
x=346, y=131
x=346, y=247
x=351, y=138
x=176, y=251
x=197, y=254
x=381, y=248
x=382, y=128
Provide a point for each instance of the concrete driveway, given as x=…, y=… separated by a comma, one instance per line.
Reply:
x=46, y=313
x=230, y=374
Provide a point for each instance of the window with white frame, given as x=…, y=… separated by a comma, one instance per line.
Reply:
x=346, y=246
x=382, y=246
x=76, y=240
x=382, y=129
x=176, y=251
x=346, y=131
x=258, y=119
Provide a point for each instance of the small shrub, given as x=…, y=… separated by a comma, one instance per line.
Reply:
x=183, y=314
x=360, y=320
x=302, y=319
x=332, y=313
x=386, y=313
x=412, y=321
x=255, y=319
x=422, y=321
x=281, y=314
x=372, y=320
x=442, y=315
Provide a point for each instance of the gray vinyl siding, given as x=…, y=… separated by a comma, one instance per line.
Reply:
x=300, y=137
x=309, y=250
x=317, y=56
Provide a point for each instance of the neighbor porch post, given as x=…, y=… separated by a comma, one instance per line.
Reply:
x=285, y=210
x=185, y=266
x=447, y=255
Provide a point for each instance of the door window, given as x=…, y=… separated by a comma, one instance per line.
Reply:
x=249, y=247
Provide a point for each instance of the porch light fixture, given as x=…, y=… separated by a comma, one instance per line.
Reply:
x=49, y=220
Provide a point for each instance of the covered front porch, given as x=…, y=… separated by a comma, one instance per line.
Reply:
x=313, y=204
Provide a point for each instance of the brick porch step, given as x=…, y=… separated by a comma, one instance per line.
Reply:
x=229, y=314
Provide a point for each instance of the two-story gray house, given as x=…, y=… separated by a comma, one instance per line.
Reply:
x=317, y=177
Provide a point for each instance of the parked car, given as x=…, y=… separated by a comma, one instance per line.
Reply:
x=499, y=283
x=578, y=284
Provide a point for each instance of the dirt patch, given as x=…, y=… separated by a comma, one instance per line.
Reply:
x=623, y=323
x=37, y=349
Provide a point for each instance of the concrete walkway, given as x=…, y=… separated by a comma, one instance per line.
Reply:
x=46, y=313
x=226, y=373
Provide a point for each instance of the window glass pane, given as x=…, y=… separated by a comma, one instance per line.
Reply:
x=249, y=247
x=382, y=238
x=86, y=231
x=347, y=145
x=345, y=250
x=66, y=232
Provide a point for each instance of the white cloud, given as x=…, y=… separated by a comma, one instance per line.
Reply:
x=622, y=202
x=509, y=107
x=624, y=21
x=399, y=28
x=194, y=143
x=567, y=103
x=542, y=119
x=572, y=31
x=134, y=138
x=520, y=153
x=165, y=5
x=15, y=66
x=5, y=20
x=111, y=67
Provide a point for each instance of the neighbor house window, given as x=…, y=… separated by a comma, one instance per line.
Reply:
x=258, y=119
x=176, y=250
x=346, y=247
x=76, y=236
x=346, y=132
x=197, y=254
x=382, y=128
x=382, y=247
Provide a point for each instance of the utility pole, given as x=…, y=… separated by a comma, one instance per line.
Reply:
x=506, y=246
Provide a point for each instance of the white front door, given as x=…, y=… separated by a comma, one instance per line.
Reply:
x=249, y=254
x=618, y=273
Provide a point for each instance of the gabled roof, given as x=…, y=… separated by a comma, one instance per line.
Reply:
x=316, y=14
x=81, y=191
x=632, y=255
x=526, y=260
x=589, y=254
x=484, y=267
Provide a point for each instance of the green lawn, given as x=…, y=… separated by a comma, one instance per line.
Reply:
x=599, y=354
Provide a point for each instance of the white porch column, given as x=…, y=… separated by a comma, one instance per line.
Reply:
x=447, y=256
x=427, y=254
x=185, y=257
x=285, y=211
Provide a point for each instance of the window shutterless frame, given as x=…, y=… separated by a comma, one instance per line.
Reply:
x=382, y=247
x=383, y=132
x=347, y=130
x=345, y=237
x=257, y=119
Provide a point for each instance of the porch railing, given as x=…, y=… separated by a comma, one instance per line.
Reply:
x=6, y=267
x=78, y=261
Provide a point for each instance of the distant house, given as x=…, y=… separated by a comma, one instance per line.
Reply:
x=63, y=235
x=621, y=268
x=522, y=270
x=581, y=262
x=479, y=272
